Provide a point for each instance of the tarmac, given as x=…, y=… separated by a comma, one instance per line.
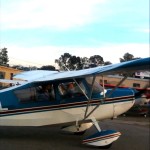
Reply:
x=135, y=136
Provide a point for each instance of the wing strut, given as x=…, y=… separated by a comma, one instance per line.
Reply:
x=80, y=88
x=103, y=85
x=102, y=100
x=94, y=77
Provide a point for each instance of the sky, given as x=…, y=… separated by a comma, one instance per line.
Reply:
x=36, y=32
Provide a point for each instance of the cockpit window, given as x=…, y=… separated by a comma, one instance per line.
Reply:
x=97, y=88
x=71, y=89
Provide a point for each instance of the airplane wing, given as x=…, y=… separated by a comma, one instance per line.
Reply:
x=11, y=81
x=125, y=67
x=33, y=75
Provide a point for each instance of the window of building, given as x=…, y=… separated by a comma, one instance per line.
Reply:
x=136, y=85
x=11, y=76
x=105, y=81
x=2, y=75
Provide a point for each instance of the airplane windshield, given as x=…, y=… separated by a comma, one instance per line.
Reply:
x=71, y=89
x=97, y=88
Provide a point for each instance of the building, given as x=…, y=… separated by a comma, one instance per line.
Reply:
x=129, y=82
x=7, y=73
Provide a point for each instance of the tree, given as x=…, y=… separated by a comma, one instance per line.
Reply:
x=74, y=63
x=85, y=62
x=127, y=57
x=4, y=57
x=96, y=60
x=63, y=61
x=24, y=68
x=67, y=61
x=47, y=67
x=107, y=63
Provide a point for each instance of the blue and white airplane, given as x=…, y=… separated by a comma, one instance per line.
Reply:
x=71, y=98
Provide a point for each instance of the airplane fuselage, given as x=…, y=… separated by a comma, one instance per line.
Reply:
x=24, y=105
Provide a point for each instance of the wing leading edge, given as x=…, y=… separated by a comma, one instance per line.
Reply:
x=125, y=67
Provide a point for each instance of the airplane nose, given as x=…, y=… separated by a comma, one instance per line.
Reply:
x=140, y=100
x=140, y=97
x=126, y=96
x=145, y=90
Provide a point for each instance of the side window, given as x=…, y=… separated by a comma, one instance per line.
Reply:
x=136, y=85
x=45, y=92
x=37, y=93
x=71, y=90
x=2, y=75
x=25, y=95
x=105, y=81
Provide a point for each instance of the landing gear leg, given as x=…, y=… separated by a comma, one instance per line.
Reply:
x=96, y=124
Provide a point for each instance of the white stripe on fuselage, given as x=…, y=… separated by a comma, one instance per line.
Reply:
x=64, y=115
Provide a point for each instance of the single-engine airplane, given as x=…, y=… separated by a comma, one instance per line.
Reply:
x=71, y=98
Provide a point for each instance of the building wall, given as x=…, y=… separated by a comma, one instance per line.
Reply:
x=129, y=82
x=7, y=73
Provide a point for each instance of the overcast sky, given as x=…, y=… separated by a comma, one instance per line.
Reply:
x=40, y=31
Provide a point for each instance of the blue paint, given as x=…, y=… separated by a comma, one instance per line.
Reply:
x=9, y=100
x=100, y=134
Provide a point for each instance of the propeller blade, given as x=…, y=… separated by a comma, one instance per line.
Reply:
x=141, y=92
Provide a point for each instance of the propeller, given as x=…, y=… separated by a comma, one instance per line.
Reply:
x=138, y=96
x=141, y=92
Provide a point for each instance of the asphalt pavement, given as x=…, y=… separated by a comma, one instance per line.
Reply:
x=135, y=136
